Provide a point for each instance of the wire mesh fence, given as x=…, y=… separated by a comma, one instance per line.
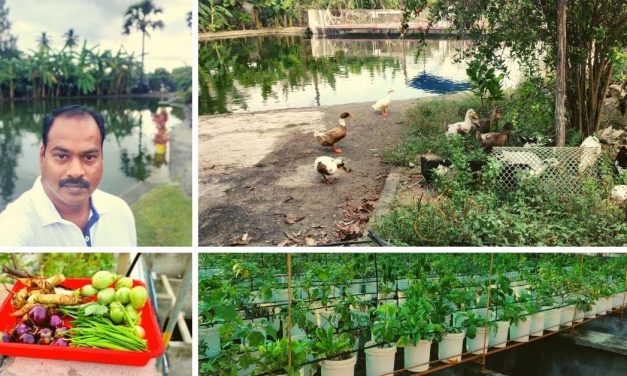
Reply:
x=558, y=170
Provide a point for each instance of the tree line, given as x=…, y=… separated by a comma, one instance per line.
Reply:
x=81, y=69
x=219, y=15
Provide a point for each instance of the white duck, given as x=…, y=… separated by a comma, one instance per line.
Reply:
x=591, y=149
x=383, y=104
x=327, y=166
x=462, y=127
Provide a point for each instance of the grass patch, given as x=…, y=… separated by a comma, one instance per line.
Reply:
x=163, y=218
x=476, y=213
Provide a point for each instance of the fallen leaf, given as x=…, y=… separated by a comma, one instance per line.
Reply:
x=293, y=218
x=243, y=240
x=310, y=241
x=284, y=243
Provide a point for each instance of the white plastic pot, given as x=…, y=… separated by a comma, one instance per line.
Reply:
x=608, y=304
x=418, y=354
x=600, y=306
x=450, y=348
x=520, y=332
x=458, y=318
x=402, y=298
x=499, y=339
x=592, y=313
x=481, y=312
x=552, y=319
x=567, y=316
x=211, y=337
x=371, y=287
x=326, y=318
x=579, y=315
x=617, y=300
x=355, y=287
x=379, y=361
x=476, y=345
x=537, y=324
x=280, y=296
x=344, y=367
x=403, y=284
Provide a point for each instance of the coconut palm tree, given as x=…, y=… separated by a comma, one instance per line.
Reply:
x=71, y=39
x=138, y=16
x=44, y=41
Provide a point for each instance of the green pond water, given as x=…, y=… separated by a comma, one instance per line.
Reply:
x=275, y=72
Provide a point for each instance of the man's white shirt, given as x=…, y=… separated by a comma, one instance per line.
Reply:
x=32, y=220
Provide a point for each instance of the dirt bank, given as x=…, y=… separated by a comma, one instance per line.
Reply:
x=256, y=175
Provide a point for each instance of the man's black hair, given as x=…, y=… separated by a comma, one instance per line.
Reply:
x=73, y=110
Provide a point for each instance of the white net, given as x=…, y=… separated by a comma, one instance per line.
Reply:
x=560, y=170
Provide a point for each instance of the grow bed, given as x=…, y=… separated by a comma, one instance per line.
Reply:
x=153, y=337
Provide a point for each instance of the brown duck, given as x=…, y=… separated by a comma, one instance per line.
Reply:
x=332, y=136
x=492, y=139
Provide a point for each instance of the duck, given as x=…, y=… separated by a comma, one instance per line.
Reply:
x=591, y=150
x=462, y=127
x=620, y=163
x=483, y=125
x=332, y=136
x=492, y=139
x=432, y=165
x=383, y=104
x=327, y=166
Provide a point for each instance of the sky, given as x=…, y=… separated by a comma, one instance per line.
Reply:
x=100, y=22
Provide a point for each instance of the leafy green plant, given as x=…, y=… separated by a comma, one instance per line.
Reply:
x=273, y=357
x=415, y=317
x=329, y=345
x=387, y=326
x=513, y=312
x=486, y=84
x=474, y=321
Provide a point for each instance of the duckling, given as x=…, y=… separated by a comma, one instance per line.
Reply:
x=492, y=139
x=462, y=127
x=329, y=166
x=332, y=136
x=383, y=104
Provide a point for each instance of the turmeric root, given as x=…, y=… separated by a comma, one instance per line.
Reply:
x=19, y=298
x=40, y=283
x=55, y=300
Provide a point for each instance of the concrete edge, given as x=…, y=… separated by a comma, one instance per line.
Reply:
x=384, y=204
x=208, y=36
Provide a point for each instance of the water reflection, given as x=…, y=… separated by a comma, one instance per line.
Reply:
x=263, y=73
x=128, y=158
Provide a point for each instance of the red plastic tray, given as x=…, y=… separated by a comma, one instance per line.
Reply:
x=130, y=358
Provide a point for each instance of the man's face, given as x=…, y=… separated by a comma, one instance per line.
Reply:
x=71, y=165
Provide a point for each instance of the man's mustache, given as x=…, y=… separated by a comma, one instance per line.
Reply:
x=71, y=182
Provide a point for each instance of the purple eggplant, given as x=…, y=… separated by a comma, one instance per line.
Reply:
x=6, y=337
x=20, y=329
x=59, y=342
x=27, y=338
x=55, y=321
x=38, y=315
x=45, y=336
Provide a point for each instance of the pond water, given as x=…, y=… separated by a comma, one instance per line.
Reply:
x=130, y=155
x=274, y=72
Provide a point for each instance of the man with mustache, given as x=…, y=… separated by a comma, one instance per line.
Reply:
x=64, y=206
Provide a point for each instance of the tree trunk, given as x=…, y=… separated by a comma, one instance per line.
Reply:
x=560, y=80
